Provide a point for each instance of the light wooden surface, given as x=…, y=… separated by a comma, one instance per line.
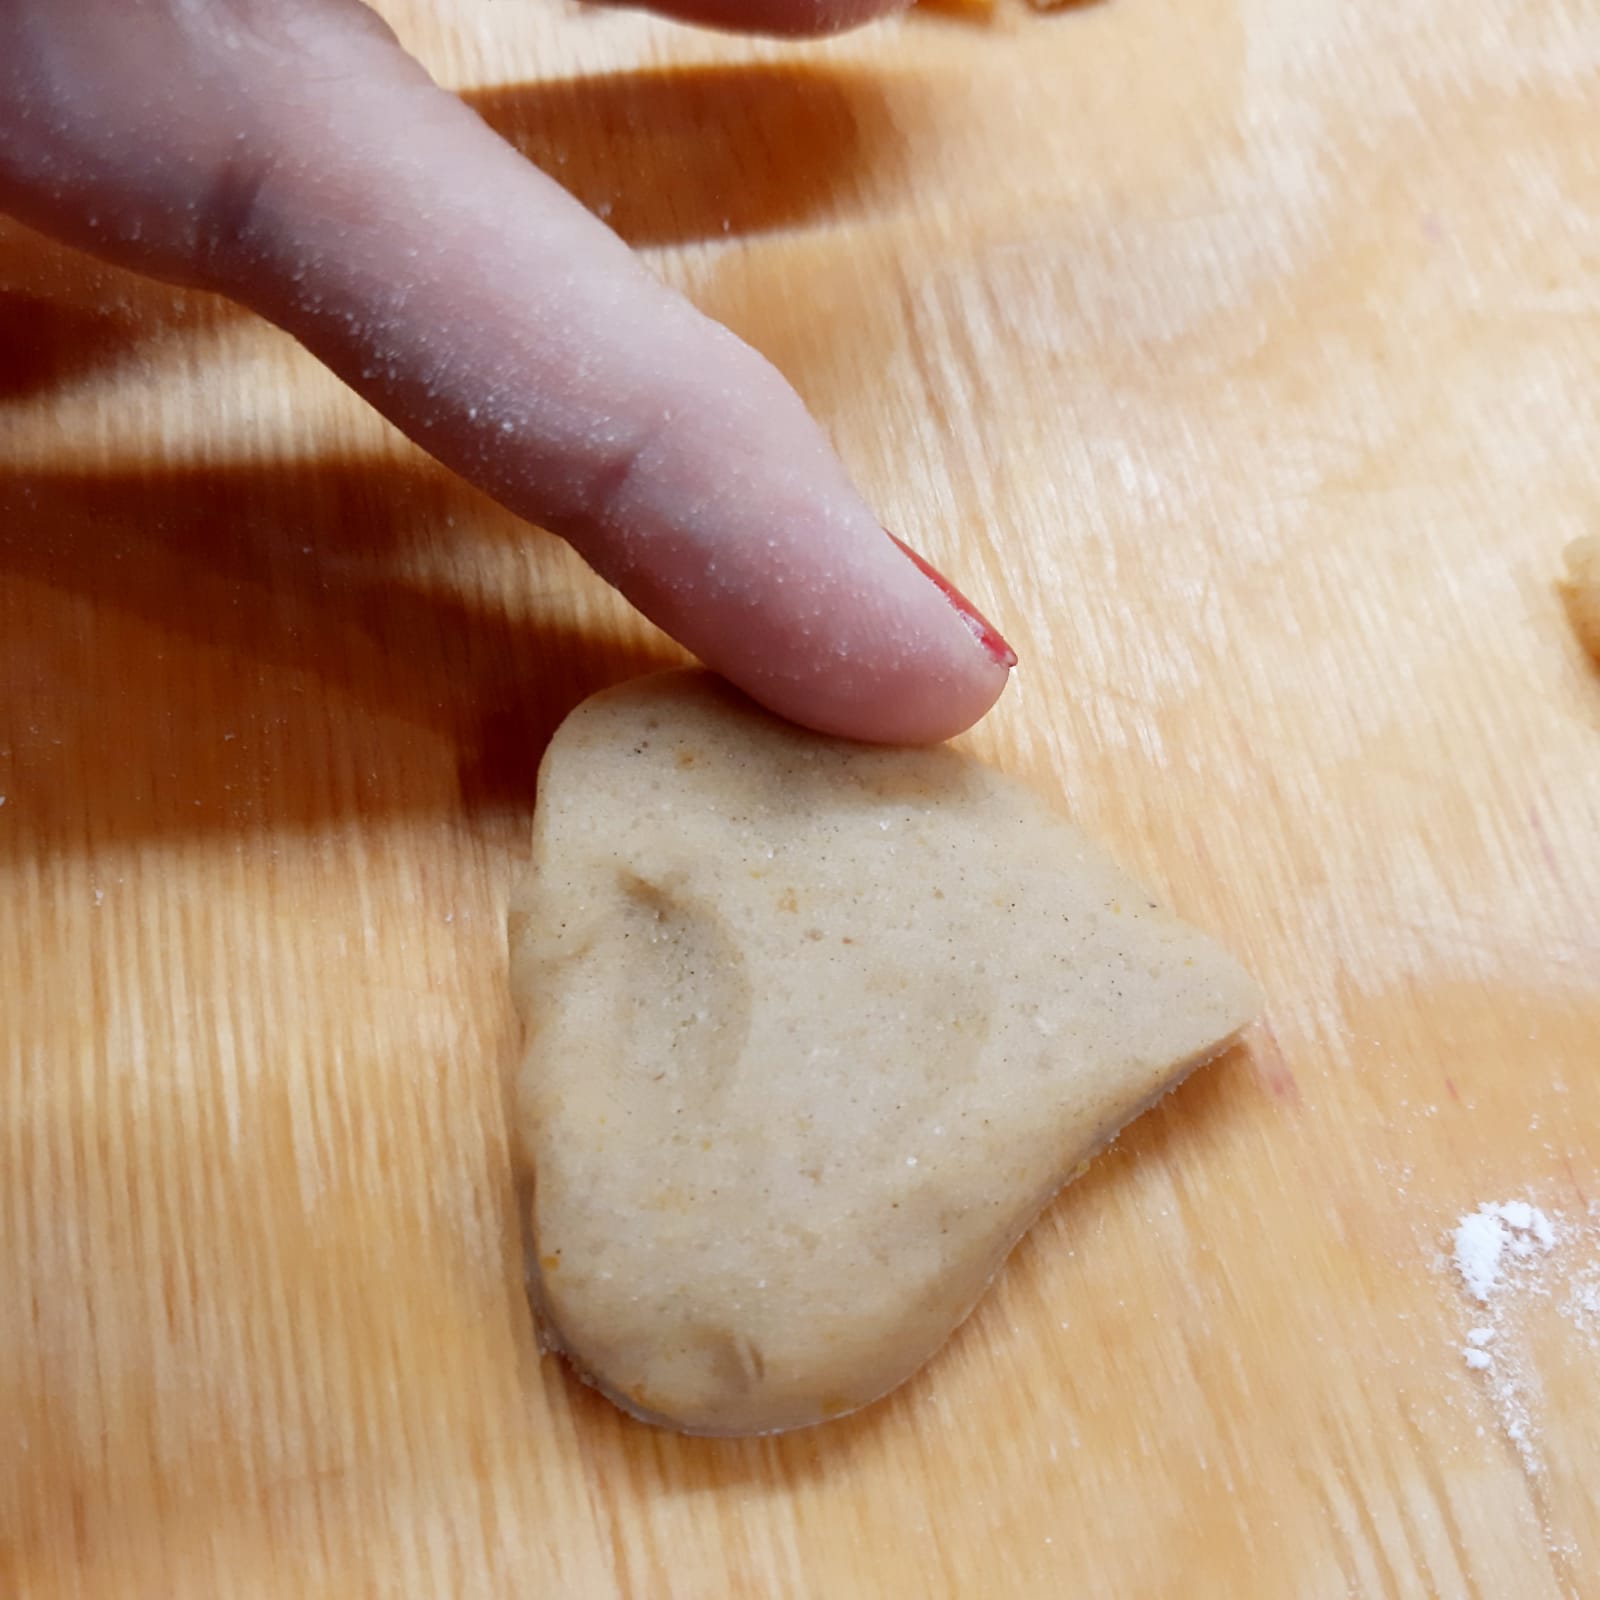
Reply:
x=1242, y=358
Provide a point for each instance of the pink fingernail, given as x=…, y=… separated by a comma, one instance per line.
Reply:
x=983, y=630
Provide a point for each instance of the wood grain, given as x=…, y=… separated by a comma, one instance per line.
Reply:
x=1240, y=357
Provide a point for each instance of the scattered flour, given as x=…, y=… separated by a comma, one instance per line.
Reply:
x=1509, y=1254
x=1484, y=1236
x=1499, y=1249
x=1582, y=1305
x=1477, y=1356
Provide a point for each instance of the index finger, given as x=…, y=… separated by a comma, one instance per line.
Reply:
x=515, y=337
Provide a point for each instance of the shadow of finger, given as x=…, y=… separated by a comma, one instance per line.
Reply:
x=671, y=156
x=249, y=647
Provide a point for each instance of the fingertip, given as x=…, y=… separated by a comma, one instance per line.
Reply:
x=847, y=636
x=920, y=707
x=927, y=711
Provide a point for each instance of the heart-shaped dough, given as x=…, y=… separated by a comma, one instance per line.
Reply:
x=814, y=1030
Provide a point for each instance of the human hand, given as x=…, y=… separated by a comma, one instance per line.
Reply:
x=289, y=154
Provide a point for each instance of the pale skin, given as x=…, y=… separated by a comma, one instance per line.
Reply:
x=290, y=154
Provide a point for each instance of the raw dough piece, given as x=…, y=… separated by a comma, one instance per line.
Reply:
x=1582, y=590
x=815, y=1029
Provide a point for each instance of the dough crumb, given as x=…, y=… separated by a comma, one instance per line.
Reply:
x=1581, y=589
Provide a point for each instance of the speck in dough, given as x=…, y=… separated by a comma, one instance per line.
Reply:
x=814, y=1030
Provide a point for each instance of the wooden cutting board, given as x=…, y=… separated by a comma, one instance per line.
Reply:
x=1242, y=358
